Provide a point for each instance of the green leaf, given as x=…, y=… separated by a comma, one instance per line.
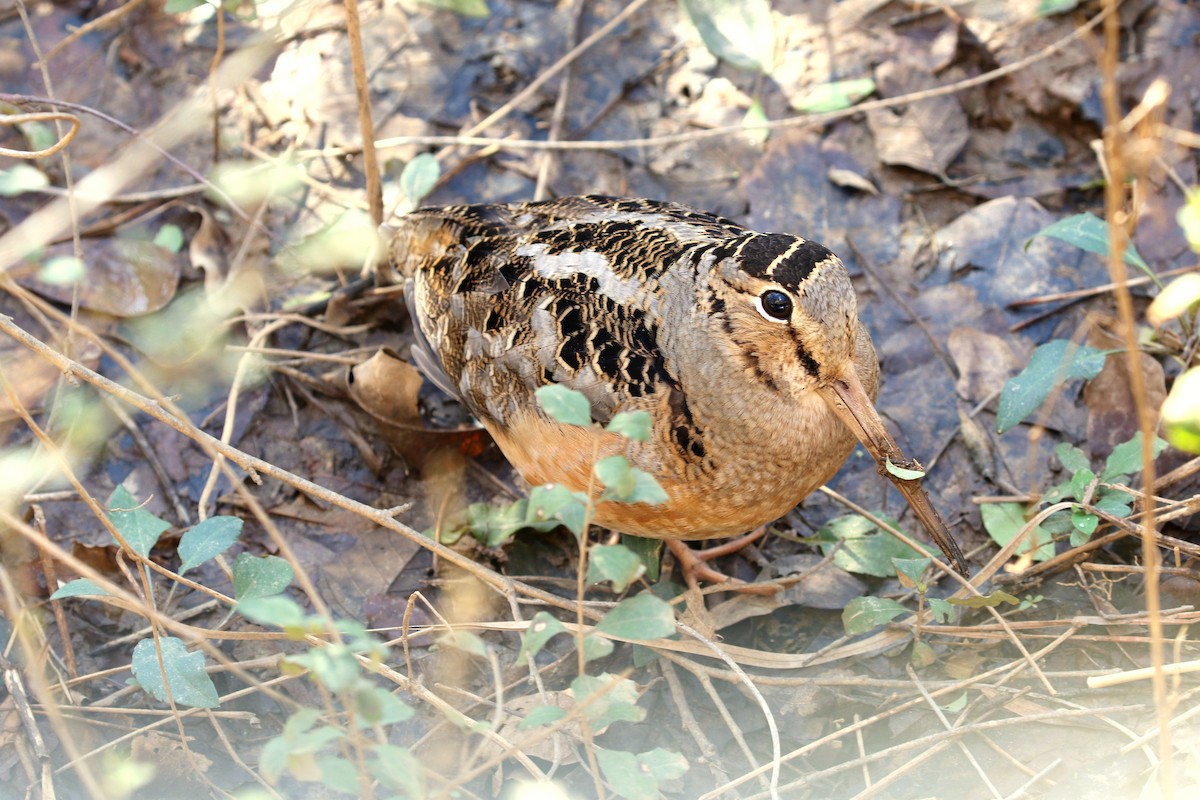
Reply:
x=333, y=666
x=299, y=739
x=464, y=640
x=911, y=572
x=397, y=768
x=643, y=656
x=943, y=611
x=546, y=508
x=565, y=405
x=21, y=178
x=206, y=540
x=1056, y=494
x=465, y=8
x=954, y=706
x=1080, y=483
x=596, y=647
x=249, y=183
x=189, y=683
x=276, y=610
x=418, y=179
x=62, y=271
x=615, y=699
x=1057, y=523
x=646, y=489
x=865, y=613
x=649, y=551
x=1003, y=521
x=664, y=765
x=548, y=502
x=38, y=135
x=638, y=777
x=741, y=32
x=1052, y=364
x=182, y=6
x=642, y=617
x=575, y=516
x=865, y=549
x=755, y=118
x=1126, y=459
x=615, y=563
x=1084, y=524
x=273, y=759
x=1117, y=504
x=542, y=628
x=627, y=484
x=1048, y=8
x=170, y=238
x=80, y=587
x=833, y=96
x=621, y=770
x=903, y=473
x=140, y=528
x=541, y=716
x=1088, y=232
x=617, y=476
x=260, y=577
x=1181, y=410
x=375, y=705
x=339, y=774
x=631, y=424
x=1072, y=458
x=986, y=601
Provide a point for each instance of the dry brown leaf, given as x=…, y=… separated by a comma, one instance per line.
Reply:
x=559, y=747
x=824, y=586
x=388, y=389
x=123, y=277
x=980, y=448
x=1112, y=414
x=985, y=361
x=33, y=377
x=926, y=136
x=207, y=249
x=365, y=570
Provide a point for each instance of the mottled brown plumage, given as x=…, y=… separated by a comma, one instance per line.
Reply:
x=745, y=348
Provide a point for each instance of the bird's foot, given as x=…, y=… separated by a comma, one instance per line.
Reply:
x=693, y=563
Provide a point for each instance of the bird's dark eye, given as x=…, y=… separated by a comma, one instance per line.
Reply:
x=777, y=304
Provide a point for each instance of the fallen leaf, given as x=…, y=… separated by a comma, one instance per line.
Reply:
x=824, y=586
x=926, y=136
x=123, y=277
x=985, y=361
x=388, y=389
x=988, y=244
x=558, y=748
x=1112, y=414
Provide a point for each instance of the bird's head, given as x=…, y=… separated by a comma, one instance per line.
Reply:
x=791, y=316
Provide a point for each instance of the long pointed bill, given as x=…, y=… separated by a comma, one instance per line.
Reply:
x=850, y=402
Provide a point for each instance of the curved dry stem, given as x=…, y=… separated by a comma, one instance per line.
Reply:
x=40, y=116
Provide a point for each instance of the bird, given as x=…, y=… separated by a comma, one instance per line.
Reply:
x=744, y=348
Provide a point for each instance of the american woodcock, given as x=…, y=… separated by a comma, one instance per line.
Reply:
x=745, y=348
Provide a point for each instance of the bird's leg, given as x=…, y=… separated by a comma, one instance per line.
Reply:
x=692, y=563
